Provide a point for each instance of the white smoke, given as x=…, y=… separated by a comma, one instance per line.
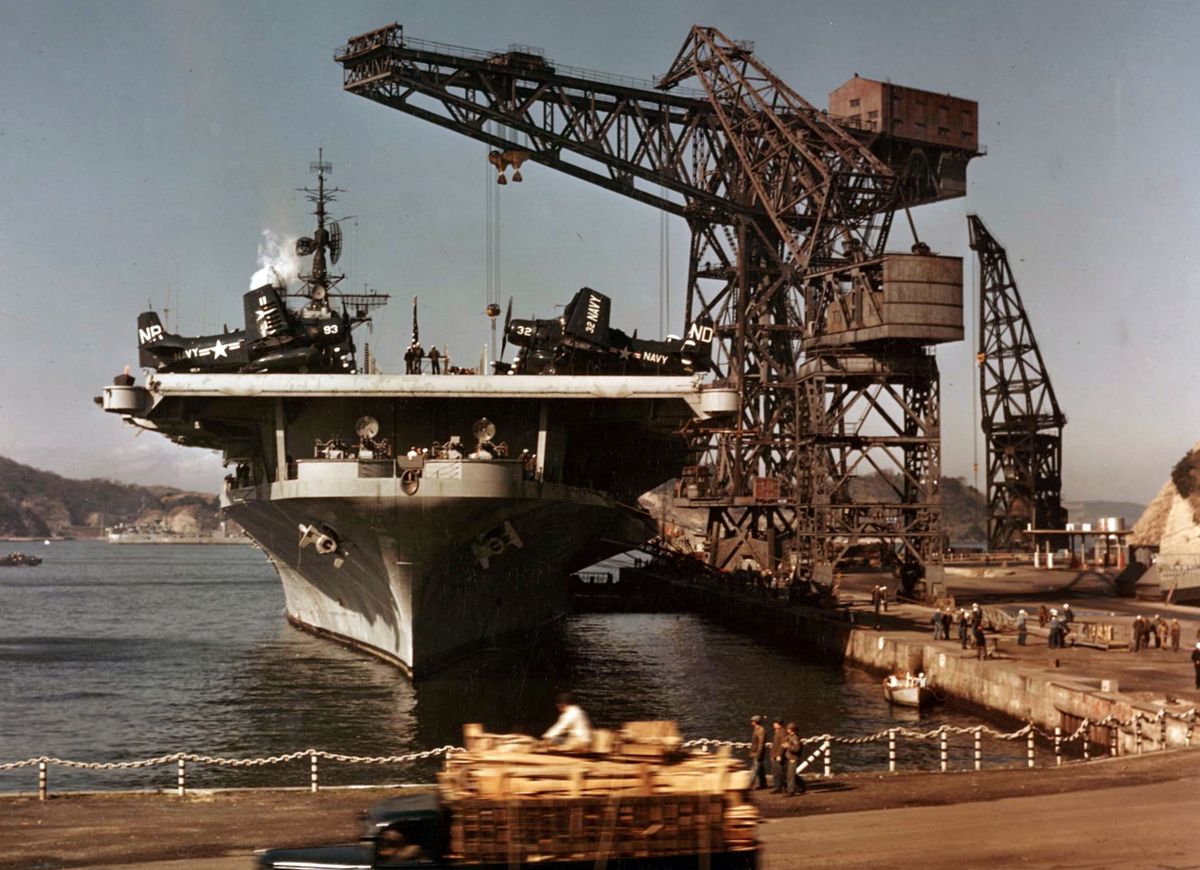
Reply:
x=278, y=264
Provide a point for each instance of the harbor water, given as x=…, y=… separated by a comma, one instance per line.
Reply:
x=122, y=652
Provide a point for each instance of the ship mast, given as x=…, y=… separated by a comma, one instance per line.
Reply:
x=318, y=282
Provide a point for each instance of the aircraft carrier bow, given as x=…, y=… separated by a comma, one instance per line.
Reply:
x=418, y=557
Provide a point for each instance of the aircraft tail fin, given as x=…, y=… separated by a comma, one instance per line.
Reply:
x=266, y=315
x=150, y=332
x=587, y=316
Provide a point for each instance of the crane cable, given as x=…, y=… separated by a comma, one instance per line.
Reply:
x=492, y=207
x=664, y=270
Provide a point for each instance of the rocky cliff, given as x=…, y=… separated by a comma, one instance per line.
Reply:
x=1171, y=522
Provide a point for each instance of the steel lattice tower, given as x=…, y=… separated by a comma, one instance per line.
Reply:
x=1022, y=423
x=789, y=212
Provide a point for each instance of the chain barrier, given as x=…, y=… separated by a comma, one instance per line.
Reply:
x=823, y=741
x=232, y=762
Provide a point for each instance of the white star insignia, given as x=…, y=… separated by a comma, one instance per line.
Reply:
x=219, y=350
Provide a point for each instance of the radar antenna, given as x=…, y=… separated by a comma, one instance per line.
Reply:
x=319, y=282
x=335, y=242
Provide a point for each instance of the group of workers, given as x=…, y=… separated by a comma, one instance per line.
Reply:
x=1155, y=630
x=783, y=748
x=414, y=359
x=971, y=632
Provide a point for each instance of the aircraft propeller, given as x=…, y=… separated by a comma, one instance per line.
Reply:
x=507, y=321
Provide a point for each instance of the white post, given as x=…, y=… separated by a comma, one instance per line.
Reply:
x=944, y=754
x=891, y=750
x=42, y=777
x=1057, y=745
x=1029, y=745
x=978, y=748
x=828, y=760
x=181, y=778
x=1137, y=732
x=313, y=770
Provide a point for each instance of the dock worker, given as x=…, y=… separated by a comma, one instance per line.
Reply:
x=937, y=625
x=1175, y=629
x=572, y=731
x=1043, y=615
x=962, y=628
x=435, y=361
x=1054, y=641
x=1068, y=614
x=792, y=749
x=778, y=738
x=1156, y=631
x=758, y=753
x=980, y=641
x=1022, y=627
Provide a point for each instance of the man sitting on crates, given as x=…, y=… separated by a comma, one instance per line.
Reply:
x=572, y=732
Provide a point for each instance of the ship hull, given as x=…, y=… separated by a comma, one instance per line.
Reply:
x=420, y=579
x=418, y=555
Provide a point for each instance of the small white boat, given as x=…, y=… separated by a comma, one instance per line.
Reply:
x=909, y=691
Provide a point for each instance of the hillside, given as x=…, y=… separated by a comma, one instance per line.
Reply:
x=39, y=504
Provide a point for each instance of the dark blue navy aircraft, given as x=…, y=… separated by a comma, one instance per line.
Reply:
x=315, y=338
x=582, y=342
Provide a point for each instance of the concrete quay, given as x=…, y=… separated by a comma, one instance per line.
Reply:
x=1148, y=698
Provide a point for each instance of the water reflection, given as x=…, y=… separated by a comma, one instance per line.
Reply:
x=118, y=653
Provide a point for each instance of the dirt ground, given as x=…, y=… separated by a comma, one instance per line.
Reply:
x=130, y=829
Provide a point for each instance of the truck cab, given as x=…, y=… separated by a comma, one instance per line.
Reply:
x=408, y=831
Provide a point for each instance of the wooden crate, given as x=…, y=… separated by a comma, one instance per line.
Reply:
x=511, y=801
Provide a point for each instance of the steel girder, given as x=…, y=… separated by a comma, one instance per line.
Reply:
x=789, y=214
x=873, y=418
x=1022, y=422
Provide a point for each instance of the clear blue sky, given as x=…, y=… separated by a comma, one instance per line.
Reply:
x=145, y=147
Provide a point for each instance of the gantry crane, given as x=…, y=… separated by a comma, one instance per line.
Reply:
x=822, y=341
x=1022, y=423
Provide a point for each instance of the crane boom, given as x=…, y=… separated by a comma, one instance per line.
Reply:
x=790, y=211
